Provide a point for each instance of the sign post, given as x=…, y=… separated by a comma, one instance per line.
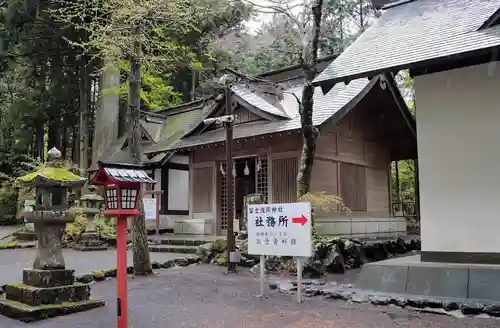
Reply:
x=280, y=230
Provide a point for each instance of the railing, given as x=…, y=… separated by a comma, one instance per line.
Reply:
x=407, y=209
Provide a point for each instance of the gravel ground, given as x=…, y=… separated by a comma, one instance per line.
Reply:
x=203, y=297
x=13, y=261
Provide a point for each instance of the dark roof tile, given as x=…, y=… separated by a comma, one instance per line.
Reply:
x=415, y=32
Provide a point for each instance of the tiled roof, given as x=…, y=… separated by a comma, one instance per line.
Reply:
x=128, y=175
x=339, y=99
x=174, y=127
x=255, y=100
x=415, y=32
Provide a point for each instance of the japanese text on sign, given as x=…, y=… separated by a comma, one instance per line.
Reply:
x=279, y=229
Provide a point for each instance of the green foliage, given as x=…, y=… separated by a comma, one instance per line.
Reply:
x=8, y=202
x=75, y=229
x=321, y=202
x=278, y=42
x=105, y=226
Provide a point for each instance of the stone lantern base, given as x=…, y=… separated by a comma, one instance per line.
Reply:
x=89, y=240
x=46, y=293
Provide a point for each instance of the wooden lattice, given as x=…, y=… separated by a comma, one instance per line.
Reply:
x=262, y=181
x=223, y=200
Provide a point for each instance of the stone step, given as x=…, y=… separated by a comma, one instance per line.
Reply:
x=27, y=313
x=184, y=249
x=36, y=296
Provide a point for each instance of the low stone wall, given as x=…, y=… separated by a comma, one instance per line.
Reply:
x=330, y=255
x=347, y=292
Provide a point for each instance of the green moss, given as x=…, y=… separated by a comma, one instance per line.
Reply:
x=105, y=225
x=98, y=275
x=51, y=173
x=60, y=305
x=22, y=285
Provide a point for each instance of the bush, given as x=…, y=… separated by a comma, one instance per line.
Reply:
x=8, y=203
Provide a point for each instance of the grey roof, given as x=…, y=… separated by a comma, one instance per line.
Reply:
x=128, y=175
x=415, y=32
x=256, y=100
x=337, y=101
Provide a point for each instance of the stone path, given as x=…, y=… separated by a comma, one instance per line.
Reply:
x=13, y=261
x=202, y=297
x=6, y=231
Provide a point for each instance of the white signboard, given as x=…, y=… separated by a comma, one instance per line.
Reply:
x=149, y=208
x=280, y=229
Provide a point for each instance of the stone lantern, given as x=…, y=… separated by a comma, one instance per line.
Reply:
x=90, y=206
x=48, y=289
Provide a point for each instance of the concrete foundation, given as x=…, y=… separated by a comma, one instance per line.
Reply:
x=408, y=275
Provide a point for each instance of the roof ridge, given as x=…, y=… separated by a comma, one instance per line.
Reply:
x=396, y=3
x=493, y=20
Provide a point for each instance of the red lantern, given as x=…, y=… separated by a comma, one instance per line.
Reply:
x=122, y=199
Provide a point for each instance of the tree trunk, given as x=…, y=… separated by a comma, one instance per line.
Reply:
x=74, y=145
x=84, y=116
x=64, y=142
x=309, y=131
x=142, y=262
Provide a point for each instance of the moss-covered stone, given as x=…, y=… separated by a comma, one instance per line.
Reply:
x=48, y=278
x=36, y=296
x=27, y=313
x=25, y=235
x=99, y=275
x=85, y=278
x=168, y=264
x=181, y=262
x=51, y=173
x=110, y=273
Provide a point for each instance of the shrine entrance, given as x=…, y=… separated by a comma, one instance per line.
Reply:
x=250, y=176
x=244, y=184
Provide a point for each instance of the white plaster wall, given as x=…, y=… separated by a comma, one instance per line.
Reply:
x=458, y=127
x=361, y=226
x=178, y=190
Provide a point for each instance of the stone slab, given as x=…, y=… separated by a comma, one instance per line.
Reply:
x=48, y=278
x=27, y=313
x=433, y=279
x=36, y=296
x=484, y=283
x=438, y=281
x=387, y=279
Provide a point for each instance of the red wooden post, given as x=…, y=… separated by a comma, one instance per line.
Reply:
x=122, y=199
x=121, y=276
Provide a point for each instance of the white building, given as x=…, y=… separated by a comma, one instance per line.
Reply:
x=451, y=50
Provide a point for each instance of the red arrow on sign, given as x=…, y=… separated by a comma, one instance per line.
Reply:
x=302, y=220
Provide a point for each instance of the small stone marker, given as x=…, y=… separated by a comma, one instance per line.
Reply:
x=280, y=230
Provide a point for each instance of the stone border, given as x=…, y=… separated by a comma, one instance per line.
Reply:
x=452, y=307
x=17, y=246
x=105, y=274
